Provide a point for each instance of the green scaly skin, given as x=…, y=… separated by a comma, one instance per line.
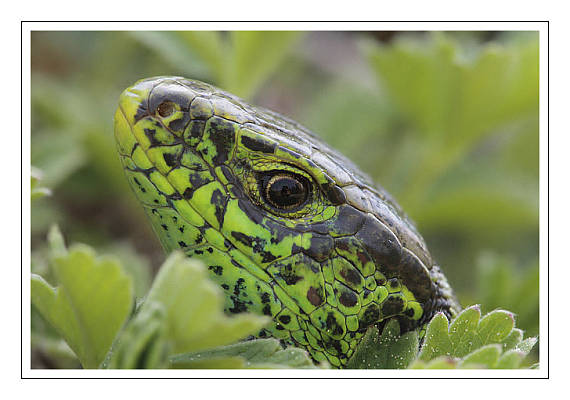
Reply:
x=347, y=258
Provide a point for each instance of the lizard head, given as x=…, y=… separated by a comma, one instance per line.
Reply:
x=287, y=226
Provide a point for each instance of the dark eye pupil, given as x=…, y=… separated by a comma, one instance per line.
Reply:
x=165, y=109
x=286, y=192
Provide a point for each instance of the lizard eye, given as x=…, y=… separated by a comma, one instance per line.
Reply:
x=285, y=191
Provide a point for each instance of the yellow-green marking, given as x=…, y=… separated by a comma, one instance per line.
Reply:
x=287, y=226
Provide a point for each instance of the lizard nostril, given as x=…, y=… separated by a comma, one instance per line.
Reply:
x=165, y=109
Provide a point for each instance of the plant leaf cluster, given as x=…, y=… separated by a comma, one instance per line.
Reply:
x=181, y=324
x=38, y=191
x=92, y=308
x=472, y=341
x=238, y=61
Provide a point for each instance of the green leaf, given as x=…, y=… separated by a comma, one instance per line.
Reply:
x=437, y=342
x=495, y=326
x=511, y=359
x=56, y=242
x=441, y=362
x=368, y=344
x=365, y=356
x=261, y=353
x=255, y=55
x=57, y=148
x=72, y=134
x=483, y=357
x=212, y=363
x=141, y=344
x=238, y=61
x=36, y=190
x=388, y=351
x=57, y=166
x=183, y=313
x=134, y=264
x=526, y=345
x=91, y=303
x=174, y=50
x=513, y=339
x=463, y=332
x=452, y=101
x=193, y=308
x=474, y=342
x=210, y=48
x=446, y=93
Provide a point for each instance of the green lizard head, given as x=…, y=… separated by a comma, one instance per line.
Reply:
x=287, y=226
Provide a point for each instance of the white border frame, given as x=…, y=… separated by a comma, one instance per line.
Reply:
x=541, y=27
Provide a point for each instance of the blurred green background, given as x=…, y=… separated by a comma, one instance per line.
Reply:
x=445, y=121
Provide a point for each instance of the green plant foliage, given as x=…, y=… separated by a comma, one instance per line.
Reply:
x=52, y=346
x=363, y=112
x=260, y=353
x=75, y=135
x=466, y=332
x=474, y=342
x=238, y=61
x=142, y=342
x=255, y=55
x=453, y=100
x=181, y=325
x=37, y=190
x=187, y=295
x=468, y=342
x=387, y=351
x=183, y=312
x=447, y=91
x=447, y=122
x=500, y=284
x=211, y=48
x=174, y=48
x=136, y=265
x=90, y=304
